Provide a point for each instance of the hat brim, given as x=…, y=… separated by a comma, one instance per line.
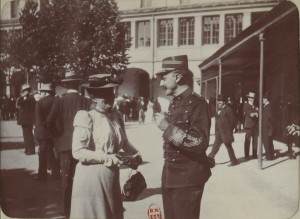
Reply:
x=73, y=79
x=164, y=71
x=104, y=86
x=250, y=97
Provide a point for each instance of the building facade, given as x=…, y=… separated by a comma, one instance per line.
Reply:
x=160, y=28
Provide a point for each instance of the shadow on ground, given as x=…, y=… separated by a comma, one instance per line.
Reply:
x=24, y=197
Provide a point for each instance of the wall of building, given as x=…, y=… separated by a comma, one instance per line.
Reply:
x=150, y=58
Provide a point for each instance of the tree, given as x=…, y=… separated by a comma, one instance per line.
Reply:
x=86, y=36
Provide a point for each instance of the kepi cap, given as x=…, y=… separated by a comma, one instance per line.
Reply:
x=173, y=63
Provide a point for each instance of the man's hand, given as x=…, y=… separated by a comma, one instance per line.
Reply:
x=161, y=121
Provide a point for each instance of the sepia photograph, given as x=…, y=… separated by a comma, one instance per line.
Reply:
x=149, y=109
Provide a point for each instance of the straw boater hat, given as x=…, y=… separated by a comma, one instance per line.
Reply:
x=46, y=87
x=25, y=87
x=251, y=95
x=173, y=63
x=71, y=76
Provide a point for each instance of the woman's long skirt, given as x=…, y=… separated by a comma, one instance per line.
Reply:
x=96, y=193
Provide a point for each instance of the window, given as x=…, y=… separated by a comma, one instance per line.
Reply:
x=127, y=26
x=233, y=26
x=145, y=3
x=165, y=32
x=14, y=8
x=143, y=34
x=184, y=2
x=186, y=31
x=211, y=27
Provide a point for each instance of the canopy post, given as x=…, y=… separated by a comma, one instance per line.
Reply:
x=220, y=76
x=261, y=76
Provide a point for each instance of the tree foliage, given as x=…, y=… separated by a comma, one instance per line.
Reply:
x=86, y=36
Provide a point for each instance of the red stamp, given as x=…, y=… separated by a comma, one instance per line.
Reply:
x=154, y=212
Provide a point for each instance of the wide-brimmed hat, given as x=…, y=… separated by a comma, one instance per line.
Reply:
x=173, y=63
x=25, y=87
x=221, y=97
x=251, y=95
x=47, y=87
x=71, y=76
x=102, y=85
x=100, y=81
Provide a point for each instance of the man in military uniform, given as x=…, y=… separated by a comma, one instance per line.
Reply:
x=185, y=134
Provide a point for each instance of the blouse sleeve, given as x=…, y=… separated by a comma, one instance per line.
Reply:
x=81, y=140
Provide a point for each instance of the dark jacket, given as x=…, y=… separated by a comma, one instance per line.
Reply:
x=61, y=116
x=42, y=110
x=267, y=126
x=225, y=123
x=26, y=107
x=250, y=122
x=185, y=142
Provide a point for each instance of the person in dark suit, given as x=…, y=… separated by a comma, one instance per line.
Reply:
x=225, y=123
x=26, y=107
x=267, y=128
x=43, y=134
x=250, y=126
x=61, y=117
x=185, y=133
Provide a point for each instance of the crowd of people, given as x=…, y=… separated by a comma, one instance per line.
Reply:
x=137, y=108
x=82, y=140
x=8, y=108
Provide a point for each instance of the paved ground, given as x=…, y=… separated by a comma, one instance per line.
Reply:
x=240, y=192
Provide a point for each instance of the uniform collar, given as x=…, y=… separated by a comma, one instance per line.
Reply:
x=183, y=95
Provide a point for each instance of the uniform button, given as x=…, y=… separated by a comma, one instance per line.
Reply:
x=190, y=101
x=187, y=121
x=169, y=114
x=178, y=152
x=186, y=111
x=173, y=160
x=173, y=106
x=186, y=130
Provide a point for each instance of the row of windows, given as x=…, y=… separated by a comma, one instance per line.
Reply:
x=186, y=30
x=148, y=3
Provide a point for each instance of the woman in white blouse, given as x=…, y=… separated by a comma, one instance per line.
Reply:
x=98, y=135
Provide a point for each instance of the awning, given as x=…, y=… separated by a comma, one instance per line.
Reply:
x=241, y=55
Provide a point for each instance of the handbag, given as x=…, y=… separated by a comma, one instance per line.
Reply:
x=134, y=186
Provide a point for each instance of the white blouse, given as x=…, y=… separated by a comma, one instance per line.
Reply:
x=108, y=134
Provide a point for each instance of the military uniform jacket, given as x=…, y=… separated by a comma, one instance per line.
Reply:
x=185, y=142
x=62, y=113
x=250, y=122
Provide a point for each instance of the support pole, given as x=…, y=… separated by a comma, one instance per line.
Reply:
x=261, y=76
x=220, y=76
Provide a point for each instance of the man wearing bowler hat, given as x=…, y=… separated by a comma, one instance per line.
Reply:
x=250, y=126
x=43, y=134
x=185, y=133
x=26, y=106
x=62, y=113
x=225, y=123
